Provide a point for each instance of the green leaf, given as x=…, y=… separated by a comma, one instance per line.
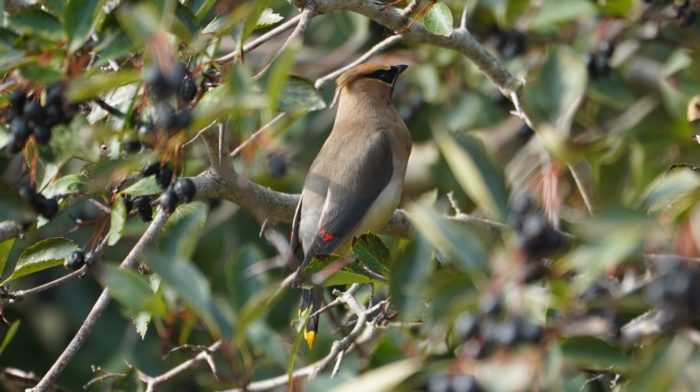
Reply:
x=132, y=290
x=86, y=87
x=279, y=74
x=557, y=89
x=252, y=21
x=192, y=286
x=141, y=321
x=408, y=277
x=595, y=353
x=65, y=185
x=478, y=176
x=300, y=95
x=9, y=335
x=143, y=187
x=241, y=286
x=349, y=274
x=382, y=378
x=453, y=241
x=181, y=232
x=42, y=255
x=141, y=21
x=371, y=251
x=80, y=17
x=557, y=11
x=666, y=366
x=5, y=248
x=680, y=186
x=268, y=18
x=35, y=22
x=117, y=219
x=438, y=19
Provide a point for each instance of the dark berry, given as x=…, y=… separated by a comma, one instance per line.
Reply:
x=90, y=259
x=181, y=119
x=150, y=170
x=502, y=333
x=164, y=176
x=533, y=271
x=277, y=165
x=15, y=145
x=176, y=79
x=597, y=65
x=490, y=305
x=168, y=201
x=184, y=189
x=188, y=90
x=528, y=331
x=27, y=193
x=165, y=117
x=607, y=48
x=143, y=206
x=511, y=43
x=46, y=207
x=213, y=203
x=55, y=115
x=54, y=94
x=439, y=383
x=42, y=134
x=17, y=100
x=467, y=326
x=20, y=129
x=75, y=260
x=33, y=112
x=156, y=82
x=686, y=17
x=521, y=203
x=128, y=202
x=131, y=146
x=524, y=133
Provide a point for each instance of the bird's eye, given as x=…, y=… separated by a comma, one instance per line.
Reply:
x=386, y=76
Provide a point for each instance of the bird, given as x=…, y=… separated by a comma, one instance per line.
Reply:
x=354, y=184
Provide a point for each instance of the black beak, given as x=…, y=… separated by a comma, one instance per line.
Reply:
x=399, y=68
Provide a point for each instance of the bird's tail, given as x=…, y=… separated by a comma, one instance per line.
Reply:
x=311, y=300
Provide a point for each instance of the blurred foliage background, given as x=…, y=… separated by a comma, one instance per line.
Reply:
x=564, y=258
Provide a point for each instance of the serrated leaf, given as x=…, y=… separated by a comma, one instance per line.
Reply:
x=42, y=255
x=478, y=176
x=181, y=232
x=117, y=219
x=143, y=187
x=268, y=17
x=251, y=22
x=438, y=19
x=9, y=335
x=671, y=188
x=86, y=87
x=80, y=17
x=371, y=251
x=300, y=95
x=65, y=185
x=141, y=321
x=132, y=290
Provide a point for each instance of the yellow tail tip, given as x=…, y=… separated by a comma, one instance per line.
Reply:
x=310, y=337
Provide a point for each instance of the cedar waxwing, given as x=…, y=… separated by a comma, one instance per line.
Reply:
x=354, y=184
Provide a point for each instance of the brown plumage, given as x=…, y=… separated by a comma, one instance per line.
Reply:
x=354, y=184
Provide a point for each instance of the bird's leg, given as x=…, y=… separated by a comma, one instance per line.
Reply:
x=420, y=13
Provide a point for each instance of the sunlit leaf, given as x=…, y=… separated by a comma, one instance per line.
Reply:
x=117, y=219
x=65, y=185
x=371, y=251
x=143, y=187
x=132, y=290
x=438, y=19
x=299, y=94
x=42, y=255
x=5, y=248
x=11, y=331
x=79, y=18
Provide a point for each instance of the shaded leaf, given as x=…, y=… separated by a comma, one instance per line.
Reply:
x=79, y=18
x=478, y=176
x=9, y=335
x=181, y=232
x=86, y=87
x=132, y=290
x=557, y=11
x=595, y=353
x=42, y=255
x=143, y=187
x=371, y=251
x=5, y=248
x=34, y=21
x=349, y=274
x=12, y=206
x=65, y=185
x=299, y=94
x=670, y=188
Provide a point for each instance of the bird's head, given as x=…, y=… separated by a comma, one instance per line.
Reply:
x=370, y=78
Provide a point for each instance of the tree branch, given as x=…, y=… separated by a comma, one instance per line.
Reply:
x=261, y=40
x=100, y=305
x=204, y=355
x=9, y=229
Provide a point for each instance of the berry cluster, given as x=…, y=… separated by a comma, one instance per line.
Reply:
x=598, y=62
x=510, y=43
x=77, y=259
x=482, y=333
x=183, y=191
x=46, y=207
x=453, y=383
x=163, y=172
x=684, y=14
x=30, y=118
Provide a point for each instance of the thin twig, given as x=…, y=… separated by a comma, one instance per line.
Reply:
x=261, y=40
x=255, y=136
x=204, y=355
x=320, y=82
x=17, y=296
x=412, y=6
x=100, y=305
x=299, y=31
